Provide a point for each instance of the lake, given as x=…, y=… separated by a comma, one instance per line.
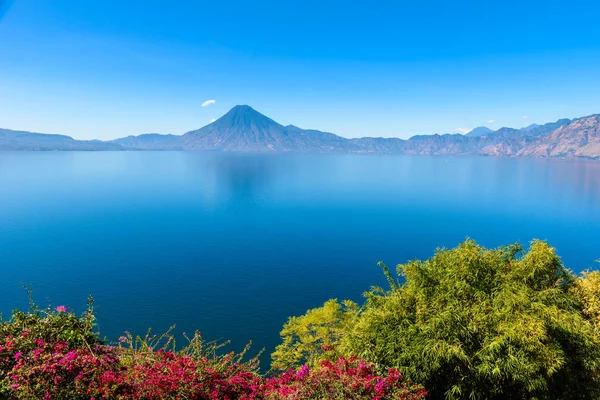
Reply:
x=234, y=244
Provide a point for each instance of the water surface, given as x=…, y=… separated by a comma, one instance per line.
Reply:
x=233, y=244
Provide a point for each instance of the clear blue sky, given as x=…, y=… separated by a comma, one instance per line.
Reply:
x=105, y=69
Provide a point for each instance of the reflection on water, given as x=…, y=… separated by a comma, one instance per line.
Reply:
x=241, y=178
x=233, y=244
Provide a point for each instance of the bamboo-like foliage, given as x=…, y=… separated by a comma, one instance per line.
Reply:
x=587, y=289
x=313, y=337
x=484, y=323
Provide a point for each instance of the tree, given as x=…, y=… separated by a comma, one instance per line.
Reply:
x=315, y=336
x=483, y=324
x=587, y=289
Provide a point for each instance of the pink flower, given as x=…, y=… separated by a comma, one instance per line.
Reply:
x=61, y=309
x=303, y=371
x=18, y=355
x=36, y=353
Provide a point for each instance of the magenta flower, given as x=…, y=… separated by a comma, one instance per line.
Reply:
x=61, y=309
x=303, y=371
x=18, y=355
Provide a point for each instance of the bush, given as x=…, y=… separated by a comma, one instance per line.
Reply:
x=53, y=371
x=52, y=354
x=39, y=332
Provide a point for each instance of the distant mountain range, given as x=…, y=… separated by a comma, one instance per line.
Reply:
x=244, y=129
x=21, y=140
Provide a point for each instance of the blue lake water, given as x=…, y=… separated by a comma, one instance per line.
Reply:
x=234, y=244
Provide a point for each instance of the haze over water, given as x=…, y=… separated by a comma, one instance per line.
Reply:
x=234, y=244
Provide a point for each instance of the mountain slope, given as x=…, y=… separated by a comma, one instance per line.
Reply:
x=322, y=141
x=580, y=138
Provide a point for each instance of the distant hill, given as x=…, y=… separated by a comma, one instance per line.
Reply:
x=244, y=129
x=21, y=140
x=479, y=131
x=529, y=127
x=150, y=141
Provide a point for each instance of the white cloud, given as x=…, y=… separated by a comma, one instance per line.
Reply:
x=524, y=117
x=208, y=103
x=491, y=121
x=462, y=131
x=213, y=120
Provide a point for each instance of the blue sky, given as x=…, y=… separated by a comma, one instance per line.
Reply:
x=106, y=69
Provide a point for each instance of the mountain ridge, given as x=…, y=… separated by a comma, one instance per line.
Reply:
x=243, y=129
x=32, y=141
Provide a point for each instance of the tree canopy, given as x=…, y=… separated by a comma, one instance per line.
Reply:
x=474, y=323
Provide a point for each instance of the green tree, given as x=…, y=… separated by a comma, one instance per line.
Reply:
x=482, y=323
x=315, y=336
x=587, y=289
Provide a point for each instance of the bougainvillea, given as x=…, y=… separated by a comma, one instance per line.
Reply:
x=52, y=354
x=52, y=371
x=346, y=379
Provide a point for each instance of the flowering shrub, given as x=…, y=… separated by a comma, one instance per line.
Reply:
x=53, y=354
x=31, y=335
x=166, y=375
x=346, y=379
x=53, y=371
